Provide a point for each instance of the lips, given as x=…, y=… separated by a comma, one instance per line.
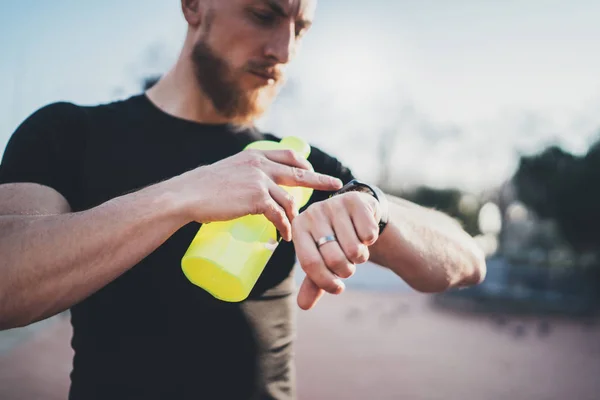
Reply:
x=266, y=74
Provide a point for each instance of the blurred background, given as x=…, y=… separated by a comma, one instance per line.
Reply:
x=489, y=111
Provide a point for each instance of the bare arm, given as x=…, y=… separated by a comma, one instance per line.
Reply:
x=53, y=258
x=428, y=249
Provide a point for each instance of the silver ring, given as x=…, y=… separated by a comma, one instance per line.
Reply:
x=326, y=239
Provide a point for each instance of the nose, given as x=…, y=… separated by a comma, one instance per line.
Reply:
x=281, y=46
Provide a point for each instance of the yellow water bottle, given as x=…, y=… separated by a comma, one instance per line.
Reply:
x=226, y=258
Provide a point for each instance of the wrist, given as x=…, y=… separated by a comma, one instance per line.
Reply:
x=156, y=204
x=191, y=195
x=169, y=202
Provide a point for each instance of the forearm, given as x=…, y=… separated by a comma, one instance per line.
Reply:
x=51, y=262
x=428, y=249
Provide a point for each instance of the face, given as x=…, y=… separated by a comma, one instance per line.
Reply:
x=242, y=49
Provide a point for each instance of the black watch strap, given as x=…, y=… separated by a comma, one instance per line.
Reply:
x=357, y=186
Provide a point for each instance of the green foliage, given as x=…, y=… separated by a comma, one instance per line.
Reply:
x=566, y=188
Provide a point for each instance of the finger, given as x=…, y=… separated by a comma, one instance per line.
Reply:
x=289, y=158
x=331, y=252
x=363, y=219
x=284, y=199
x=312, y=262
x=309, y=294
x=294, y=176
x=276, y=214
x=355, y=251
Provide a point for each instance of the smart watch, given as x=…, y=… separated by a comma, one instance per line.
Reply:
x=357, y=186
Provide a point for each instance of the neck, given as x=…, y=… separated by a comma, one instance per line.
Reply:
x=179, y=94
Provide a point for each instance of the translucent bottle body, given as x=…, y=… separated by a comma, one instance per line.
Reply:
x=226, y=258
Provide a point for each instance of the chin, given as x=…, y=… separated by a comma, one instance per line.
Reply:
x=256, y=105
x=250, y=116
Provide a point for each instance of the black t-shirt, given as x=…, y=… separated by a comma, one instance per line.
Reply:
x=151, y=333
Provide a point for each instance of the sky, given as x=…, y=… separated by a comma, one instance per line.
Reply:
x=460, y=89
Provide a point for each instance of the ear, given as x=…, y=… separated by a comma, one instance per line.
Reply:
x=192, y=11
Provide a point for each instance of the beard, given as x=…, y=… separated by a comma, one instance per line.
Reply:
x=221, y=83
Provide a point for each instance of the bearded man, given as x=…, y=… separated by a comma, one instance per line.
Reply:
x=99, y=203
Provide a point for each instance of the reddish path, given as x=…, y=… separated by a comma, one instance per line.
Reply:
x=397, y=347
x=383, y=346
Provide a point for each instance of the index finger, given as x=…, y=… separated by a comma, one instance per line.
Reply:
x=289, y=158
x=288, y=168
x=293, y=176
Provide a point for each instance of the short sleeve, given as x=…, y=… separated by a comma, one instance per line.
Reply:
x=47, y=149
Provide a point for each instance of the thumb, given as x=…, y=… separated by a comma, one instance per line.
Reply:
x=309, y=294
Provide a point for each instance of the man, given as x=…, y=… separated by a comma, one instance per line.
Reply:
x=98, y=205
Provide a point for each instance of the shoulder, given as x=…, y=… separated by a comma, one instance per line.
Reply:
x=53, y=113
x=78, y=111
x=63, y=119
x=55, y=129
x=51, y=123
x=58, y=108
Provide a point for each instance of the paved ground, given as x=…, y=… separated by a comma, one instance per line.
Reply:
x=366, y=345
x=391, y=346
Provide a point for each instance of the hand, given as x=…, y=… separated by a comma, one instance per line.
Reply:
x=353, y=219
x=247, y=183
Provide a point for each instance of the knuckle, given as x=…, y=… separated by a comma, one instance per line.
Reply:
x=276, y=214
x=255, y=162
x=254, y=158
x=299, y=173
x=289, y=154
x=340, y=265
x=364, y=256
x=313, y=210
x=330, y=286
x=352, y=197
x=322, y=210
x=261, y=198
x=257, y=178
x=290, y=200
x=355, y=252
x=324, y=179
x=347, y=271
x=372, y=207
x=330, y=206
x=371, y=234
x=273, y=209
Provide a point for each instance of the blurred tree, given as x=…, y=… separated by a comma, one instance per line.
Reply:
x=560, y=186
